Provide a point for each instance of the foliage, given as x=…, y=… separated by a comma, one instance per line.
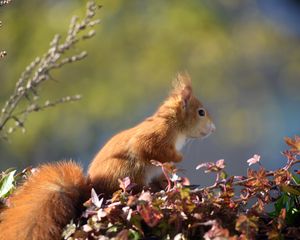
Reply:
x=234, y=207
x=25, y=98
x=225, y=210
x=9, y=180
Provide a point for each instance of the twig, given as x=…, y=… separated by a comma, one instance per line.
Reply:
x=246, y=180
x=39, y=71
x=4, y=2
x=37, y=108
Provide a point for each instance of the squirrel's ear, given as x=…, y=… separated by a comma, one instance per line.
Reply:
x=182, y=86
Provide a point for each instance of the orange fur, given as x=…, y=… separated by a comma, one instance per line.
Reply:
x=129, y=152
x=45, y=203
x=50, y=198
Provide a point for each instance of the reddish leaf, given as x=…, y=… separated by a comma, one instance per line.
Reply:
x=216, y=231
x=126, y=184
x=248, y=225
x=212, y=167
x=293, y=143
x=150, y=215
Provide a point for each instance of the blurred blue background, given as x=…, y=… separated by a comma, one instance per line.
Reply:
x=243, y=57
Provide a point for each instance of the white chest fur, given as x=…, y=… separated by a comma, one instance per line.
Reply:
x=152, y=172
x=180, y=142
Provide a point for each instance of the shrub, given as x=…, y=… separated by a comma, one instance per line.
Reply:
x=225, y=210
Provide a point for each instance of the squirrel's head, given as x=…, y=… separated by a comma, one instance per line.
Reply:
x=192, y=118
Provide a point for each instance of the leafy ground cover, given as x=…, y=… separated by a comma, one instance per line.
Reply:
x=234, y=207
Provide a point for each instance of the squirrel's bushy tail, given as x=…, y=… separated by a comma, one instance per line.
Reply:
x=45, y=203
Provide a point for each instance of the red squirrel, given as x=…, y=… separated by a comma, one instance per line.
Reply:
x=41, y=207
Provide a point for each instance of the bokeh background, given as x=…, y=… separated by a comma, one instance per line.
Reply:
x=243, y=56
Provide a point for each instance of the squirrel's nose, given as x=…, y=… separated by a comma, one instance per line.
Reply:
x=212, y=127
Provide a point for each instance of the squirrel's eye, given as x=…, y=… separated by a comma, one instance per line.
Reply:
x=201, y=112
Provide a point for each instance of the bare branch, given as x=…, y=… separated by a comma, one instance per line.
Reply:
x=38, y=72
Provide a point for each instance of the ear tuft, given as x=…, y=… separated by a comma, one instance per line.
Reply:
x=182, y=81
x=182, y=86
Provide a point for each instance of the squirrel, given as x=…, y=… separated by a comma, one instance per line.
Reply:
x=54, y=194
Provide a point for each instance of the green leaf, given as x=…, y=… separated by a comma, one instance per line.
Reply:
x=134, y=235
x=7, y=183
x=185, y=193
x=280, y=204
x=296, y=178
x=112, y=229
x=290, y=189
x=223, y=175
x=69, y=230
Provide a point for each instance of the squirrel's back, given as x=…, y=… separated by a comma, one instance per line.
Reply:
x=45, y=203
